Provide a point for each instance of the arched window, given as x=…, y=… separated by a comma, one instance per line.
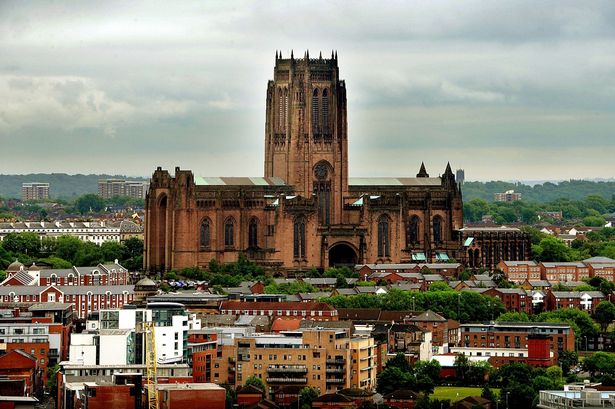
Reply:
x=412, y=233
x=280, y=120
x=285, y=108
x=229, y=232
x=205, y=234
x=53, y=279
x=437, y=229
x=299, y=238
x=71, y=279
x=383, y=237
x=325, y=111
x=253, y=233
x=315, y=116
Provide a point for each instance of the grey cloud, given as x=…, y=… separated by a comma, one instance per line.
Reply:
x=184, y=83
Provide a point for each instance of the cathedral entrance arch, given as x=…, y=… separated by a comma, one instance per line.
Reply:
x=342, y=254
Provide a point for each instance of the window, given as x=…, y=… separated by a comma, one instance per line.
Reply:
x=229, y=232
x=253, y=233
x=437, y=229
x=412, y=233
x=299, y=238
x=315, y=116
x=205, y=234
x=383, y=237
x=325, y=111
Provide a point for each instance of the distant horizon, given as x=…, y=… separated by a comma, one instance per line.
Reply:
x=529, y=182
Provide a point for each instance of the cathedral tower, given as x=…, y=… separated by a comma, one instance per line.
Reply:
x=306, y=141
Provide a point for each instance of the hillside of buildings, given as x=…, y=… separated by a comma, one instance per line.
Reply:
x=62, y=186
x=540, y=193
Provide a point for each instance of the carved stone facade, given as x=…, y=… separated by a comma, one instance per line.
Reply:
x=306, y=212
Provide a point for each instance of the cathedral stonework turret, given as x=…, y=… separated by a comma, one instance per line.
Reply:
x=306, y=212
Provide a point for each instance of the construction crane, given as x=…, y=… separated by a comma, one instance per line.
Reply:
x=151, y=364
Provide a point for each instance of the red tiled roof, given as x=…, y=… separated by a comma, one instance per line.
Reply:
x=281, y=324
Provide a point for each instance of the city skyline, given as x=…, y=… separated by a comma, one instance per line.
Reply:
x=510, y=91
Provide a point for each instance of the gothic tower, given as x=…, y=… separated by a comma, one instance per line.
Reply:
x=306, y=140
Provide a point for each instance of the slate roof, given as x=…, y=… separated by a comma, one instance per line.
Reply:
x=599, y=259
x=403, y=394
x=238, y=181
x=428, y=316
x=394, y=181
x=512, y=263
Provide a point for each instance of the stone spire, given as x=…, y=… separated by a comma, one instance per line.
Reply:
x=422, y=172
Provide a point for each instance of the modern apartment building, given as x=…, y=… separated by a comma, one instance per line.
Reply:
x=34, y=191
x=117, y=337
x=326, y=359
x=510, y=339
x=108, y=188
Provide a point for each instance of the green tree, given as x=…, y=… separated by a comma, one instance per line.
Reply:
x=307, y=395
x=488, y=394
x=22, y=243
x=600, y=363
x=112, y=250
x=89, y=203
x=393, y=378
x=462, y=367
x=430, y=369
x=552, y=249
x=399, y=361
x=605, y=314
x=439, y=286
x=513, y=316
x=256, y=382
x=567, y=359
x=67, y=247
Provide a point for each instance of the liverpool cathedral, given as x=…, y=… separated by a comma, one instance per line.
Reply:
x=306, y=211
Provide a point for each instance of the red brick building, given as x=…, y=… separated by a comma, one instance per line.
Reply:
x=84, y=299
x=437, y=325
x=519, y=271
x=501, y=339
x=101, y=274
x=401, y=399
x=306, y=211
x=310, y=310
x=19, y=365
x=564, y=271
x=514, y=299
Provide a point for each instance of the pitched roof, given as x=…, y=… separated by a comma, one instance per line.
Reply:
x=275, y=306
x=428, y=316
x=333, y=398
x=405, y=394
x=281, y=324
x=249, y=390
x=599, y=259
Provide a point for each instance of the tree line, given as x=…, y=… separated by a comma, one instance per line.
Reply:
x=592, y=210
x=540, y=193
x=68, y=251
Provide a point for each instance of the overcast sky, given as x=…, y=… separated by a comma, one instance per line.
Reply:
x=506, y=90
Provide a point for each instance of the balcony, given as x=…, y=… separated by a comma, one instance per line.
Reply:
x=286, y=380
x=336, y=361
x=336, y=370
x=335, y=380
x=288, y=369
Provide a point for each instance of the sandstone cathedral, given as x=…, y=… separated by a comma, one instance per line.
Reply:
x=306, y=211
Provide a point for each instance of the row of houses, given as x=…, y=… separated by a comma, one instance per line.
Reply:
x=575, y=271
x=17, y=274
x=97, y=232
